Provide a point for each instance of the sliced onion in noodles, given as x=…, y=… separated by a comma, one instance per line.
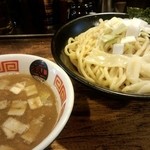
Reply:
x=128, y=39
x=145, y=69
x=106, y=60
x=118, y=48
x=133, y=69
x=144, y=89
x=134, y=88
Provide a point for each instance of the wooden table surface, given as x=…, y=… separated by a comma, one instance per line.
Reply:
x=97, y=122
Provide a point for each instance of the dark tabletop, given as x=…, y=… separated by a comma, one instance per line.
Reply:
x=97, y=122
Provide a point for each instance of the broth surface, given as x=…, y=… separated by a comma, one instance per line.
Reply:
x=44, y=112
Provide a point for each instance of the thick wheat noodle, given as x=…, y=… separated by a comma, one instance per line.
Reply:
x=114, y=78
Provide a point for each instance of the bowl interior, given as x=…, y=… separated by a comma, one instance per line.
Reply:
x=53, y=75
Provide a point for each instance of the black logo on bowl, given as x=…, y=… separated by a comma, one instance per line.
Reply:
x=39, y=70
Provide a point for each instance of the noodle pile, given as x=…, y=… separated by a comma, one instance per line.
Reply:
x=114, y=54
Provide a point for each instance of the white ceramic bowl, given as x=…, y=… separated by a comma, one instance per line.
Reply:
x=56, y=78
